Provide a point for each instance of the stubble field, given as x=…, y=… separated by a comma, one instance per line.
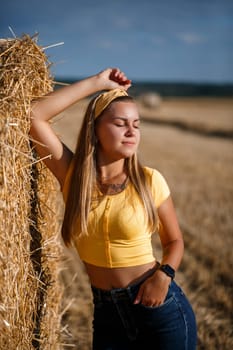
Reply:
x=190, y=142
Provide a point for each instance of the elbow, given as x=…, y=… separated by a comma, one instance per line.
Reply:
x=181, y=246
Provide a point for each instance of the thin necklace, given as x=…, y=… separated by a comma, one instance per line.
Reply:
x=113, y=188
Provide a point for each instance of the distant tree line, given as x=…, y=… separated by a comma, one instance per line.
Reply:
x=176, y=89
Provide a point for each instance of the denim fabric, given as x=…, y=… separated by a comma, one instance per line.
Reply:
x=118, y=324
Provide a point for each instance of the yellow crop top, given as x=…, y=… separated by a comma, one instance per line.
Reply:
x=118, y=235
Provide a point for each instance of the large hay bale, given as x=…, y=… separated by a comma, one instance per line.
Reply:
x=30, y=248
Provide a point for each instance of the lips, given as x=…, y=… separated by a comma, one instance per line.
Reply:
x=131, y=143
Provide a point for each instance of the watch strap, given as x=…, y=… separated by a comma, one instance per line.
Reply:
x=168, y=270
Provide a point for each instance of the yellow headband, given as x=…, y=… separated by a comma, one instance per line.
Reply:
x=103, y=100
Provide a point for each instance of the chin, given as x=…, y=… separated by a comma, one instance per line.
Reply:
x=127, y=155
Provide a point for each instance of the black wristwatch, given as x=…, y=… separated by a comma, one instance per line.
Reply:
x=168, y=270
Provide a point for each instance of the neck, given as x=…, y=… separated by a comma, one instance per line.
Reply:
x=112, y=178
x=111, y=172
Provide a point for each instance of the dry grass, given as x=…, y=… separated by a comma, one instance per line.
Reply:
x=204, y=115
x=30, y=249
x=199, y=170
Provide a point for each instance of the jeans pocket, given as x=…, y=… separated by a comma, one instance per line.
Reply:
x=156, y=318
x=166, y=303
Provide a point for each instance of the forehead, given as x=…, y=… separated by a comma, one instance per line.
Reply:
x=122, y=109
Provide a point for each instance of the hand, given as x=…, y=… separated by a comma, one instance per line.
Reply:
x=154, y=290
x=119, y=77
x=113, y=78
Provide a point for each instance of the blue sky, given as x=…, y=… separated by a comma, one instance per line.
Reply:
x=166, y=40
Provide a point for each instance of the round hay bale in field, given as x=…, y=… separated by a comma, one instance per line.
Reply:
x=150, y=100
x=30, y=247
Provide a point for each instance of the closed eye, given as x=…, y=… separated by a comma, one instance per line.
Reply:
x=136, y=124
x=120, y=122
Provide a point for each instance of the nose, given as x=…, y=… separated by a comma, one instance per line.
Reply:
x=130, y=130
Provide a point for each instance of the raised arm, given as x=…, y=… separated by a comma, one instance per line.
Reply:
x=55, y=154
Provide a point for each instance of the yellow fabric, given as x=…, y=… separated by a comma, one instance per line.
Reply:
x=104, y=99
x=118, y=235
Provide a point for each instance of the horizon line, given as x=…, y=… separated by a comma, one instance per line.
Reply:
x=154, y=81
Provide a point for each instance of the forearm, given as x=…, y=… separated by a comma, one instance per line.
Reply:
x=170, y=235
x=173, y=253
x=57, y=101
x=172, y=256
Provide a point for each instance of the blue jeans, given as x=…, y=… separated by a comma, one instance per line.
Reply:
x=119, y=324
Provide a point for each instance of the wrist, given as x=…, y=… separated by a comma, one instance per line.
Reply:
x=101, y=82
x=161, y=277
x=167, y=270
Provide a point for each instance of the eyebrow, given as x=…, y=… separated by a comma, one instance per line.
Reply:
x=126, y=119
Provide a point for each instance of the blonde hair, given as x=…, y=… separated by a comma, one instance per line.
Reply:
x=82, y=181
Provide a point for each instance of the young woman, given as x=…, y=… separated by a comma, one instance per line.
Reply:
x=113, y=206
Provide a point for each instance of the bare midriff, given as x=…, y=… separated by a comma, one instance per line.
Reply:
x=120, y=277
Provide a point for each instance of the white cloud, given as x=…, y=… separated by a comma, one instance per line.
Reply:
x=191, y=38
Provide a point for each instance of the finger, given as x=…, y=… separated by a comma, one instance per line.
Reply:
x=147, y=303
x=114, y=73
x=138, y=298
x=123, y=77
x=126, y=82
x=118, y=75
